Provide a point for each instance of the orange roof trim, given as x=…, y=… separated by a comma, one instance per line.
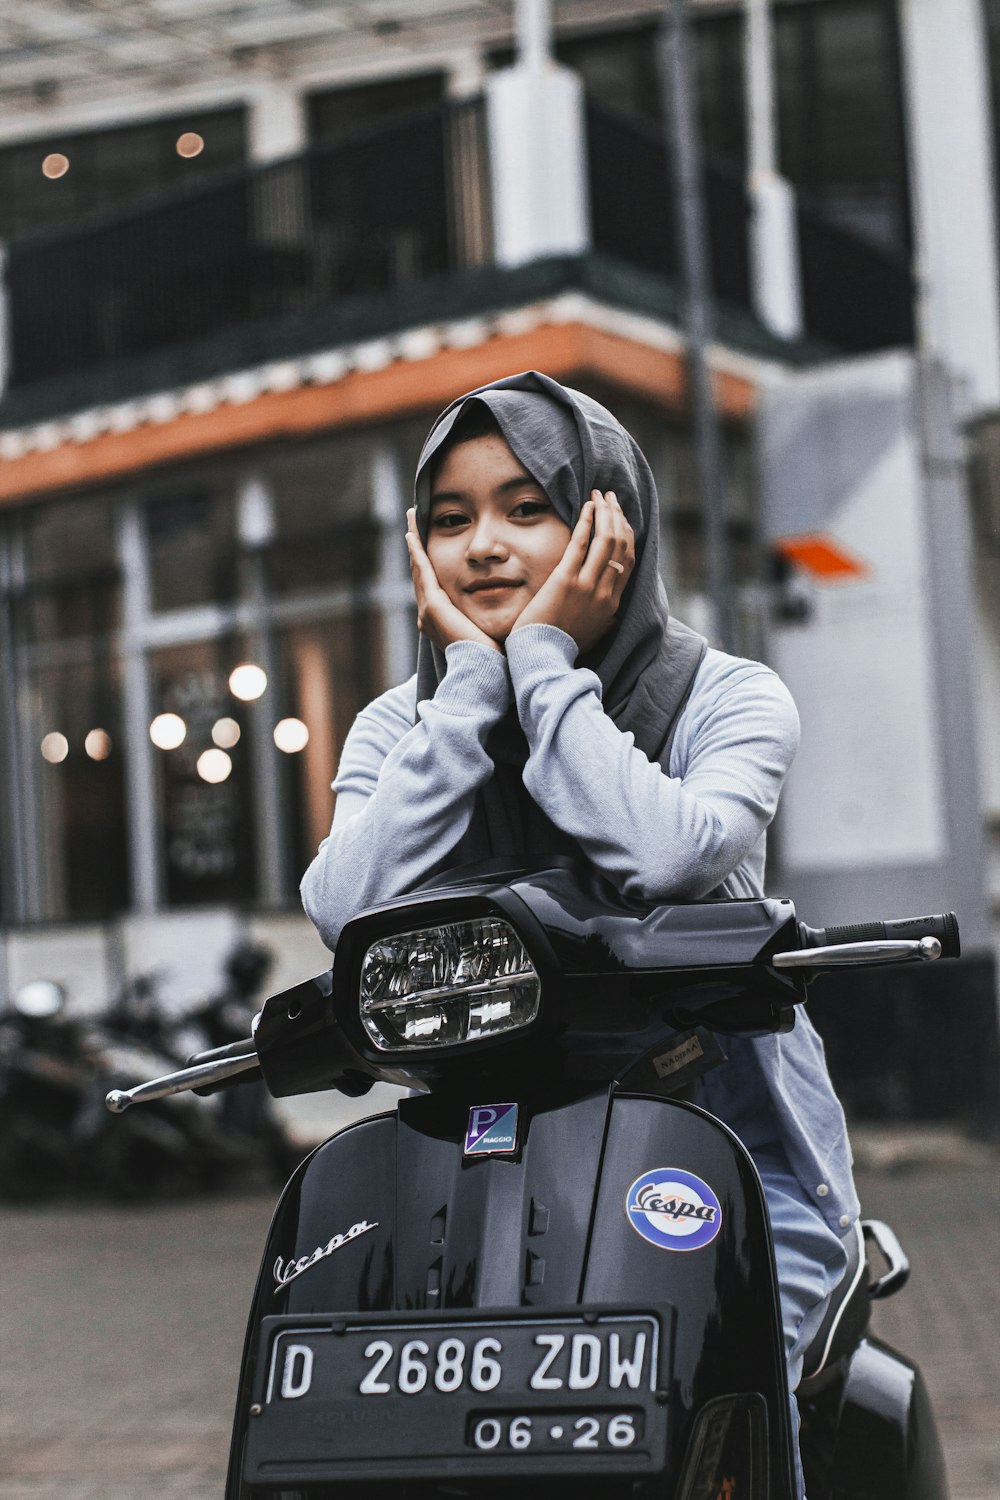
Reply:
x=571, y=351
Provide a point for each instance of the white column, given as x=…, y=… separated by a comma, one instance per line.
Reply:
x=466, y=74
x=949, y=131
x=533, y=29
x=137, y=712
x=278, y=202
x=277, y=125
x=774, y=250
x=538, y=156
x=395, y=589
x=255, y=528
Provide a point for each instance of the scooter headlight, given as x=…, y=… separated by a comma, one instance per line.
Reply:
x=439, y=986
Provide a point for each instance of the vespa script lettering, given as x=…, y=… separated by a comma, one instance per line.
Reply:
x=287, y=1270
x=650, y=1201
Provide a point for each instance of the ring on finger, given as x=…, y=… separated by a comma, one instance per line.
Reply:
x=618, y=567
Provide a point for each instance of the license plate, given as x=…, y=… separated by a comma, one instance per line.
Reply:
x=378, y=1397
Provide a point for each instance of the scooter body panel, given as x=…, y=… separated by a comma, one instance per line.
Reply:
x=882, y=1441
x=392, y=1216
x=727, y=1333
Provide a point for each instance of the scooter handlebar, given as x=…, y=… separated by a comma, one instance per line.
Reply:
x=862, y=943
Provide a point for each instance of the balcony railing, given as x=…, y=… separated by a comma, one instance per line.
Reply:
x=397, y=204
x=403, y=203
x=855, y=296
x=632, y=207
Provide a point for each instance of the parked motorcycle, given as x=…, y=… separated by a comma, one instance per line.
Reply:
x=140, y=1009
x=55, y=1135
x=47, y=1071
x=551, y=1270
x=241, y=1129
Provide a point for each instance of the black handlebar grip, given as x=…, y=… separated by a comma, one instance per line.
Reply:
x=944, y=927
x=222, y=1054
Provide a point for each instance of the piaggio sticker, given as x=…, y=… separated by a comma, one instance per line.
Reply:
x=673, y=1209
x=492, y=1130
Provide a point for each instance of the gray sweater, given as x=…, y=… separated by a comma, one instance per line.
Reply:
x=406, y=791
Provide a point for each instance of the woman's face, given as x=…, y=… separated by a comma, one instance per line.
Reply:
x=493, y=537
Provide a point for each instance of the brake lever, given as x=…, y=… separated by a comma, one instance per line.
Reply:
x=841, y=955
x=200, y=1074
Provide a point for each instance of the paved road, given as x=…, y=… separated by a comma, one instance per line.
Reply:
x=948, y=1317
x=120, y=1332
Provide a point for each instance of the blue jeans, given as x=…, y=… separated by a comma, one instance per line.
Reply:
x=810, y=1258
x=811, y=1261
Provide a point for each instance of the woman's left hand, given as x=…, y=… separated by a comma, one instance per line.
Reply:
x=582, y=593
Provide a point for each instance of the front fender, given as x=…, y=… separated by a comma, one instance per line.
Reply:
x=392, y=1215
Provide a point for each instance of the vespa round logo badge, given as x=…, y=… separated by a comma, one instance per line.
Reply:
x=673, y=1209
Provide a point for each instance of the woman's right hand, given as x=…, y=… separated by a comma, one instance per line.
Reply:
x=441, y=621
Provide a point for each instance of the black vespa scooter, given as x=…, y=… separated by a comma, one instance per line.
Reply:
x=550, y=1273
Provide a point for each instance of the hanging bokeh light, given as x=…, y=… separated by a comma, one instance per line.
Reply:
x=247, y=681
x=291, y=735
x=226, y=733
x=55, y=747
x=190, y=144
x=214, y=766
x=55, y=165
x=167, y=731
x=98, y=744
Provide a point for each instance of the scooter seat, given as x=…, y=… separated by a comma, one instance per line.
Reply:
x=846, y=1316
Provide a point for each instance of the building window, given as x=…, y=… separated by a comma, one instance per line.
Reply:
x=323, y=534
x=720, y=82
x=336, y=114
x=70, y=559
x=840, y=123
x=192, y=545
x=187, y=658
x=331, y=669
x=59, y=179
x=840, y=118
x=204, y=781
x=77, y=775
x=66, y=820
x=991, y=10
x=619, y=68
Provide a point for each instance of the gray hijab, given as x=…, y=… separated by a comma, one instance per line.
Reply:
x=646, y=664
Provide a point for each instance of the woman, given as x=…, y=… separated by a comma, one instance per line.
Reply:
x=559, y=708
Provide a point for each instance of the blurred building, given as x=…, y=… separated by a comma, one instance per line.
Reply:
x=252, y=249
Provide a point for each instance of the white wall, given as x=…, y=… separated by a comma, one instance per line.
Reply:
x=81, y=958
x=882, y=811
x=186, y=948
x=866, y=787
